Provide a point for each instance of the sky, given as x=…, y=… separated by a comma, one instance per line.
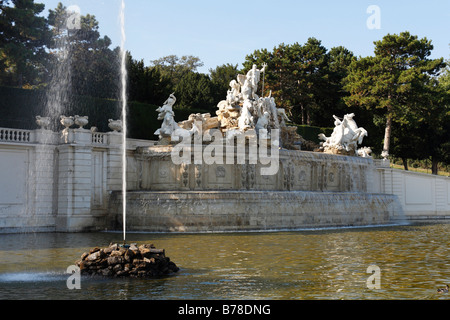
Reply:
x=221, y=32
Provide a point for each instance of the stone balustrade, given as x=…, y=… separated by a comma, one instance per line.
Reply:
x=59, y=181
x=15, y=135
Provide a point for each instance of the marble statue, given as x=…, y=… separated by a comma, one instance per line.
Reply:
x=364, y=152
x=345, y=137
x=234, y=95
x=242, y=112
x=170, y=130
x=250, y=85
x=263, y=122
x=246, y=118
x=168, y=116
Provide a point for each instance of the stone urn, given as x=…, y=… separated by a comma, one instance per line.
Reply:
x=115, y=125
x=43, y=122
x=81, y=121
x=67, y=121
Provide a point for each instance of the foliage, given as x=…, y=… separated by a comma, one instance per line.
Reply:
x=23, y=39
x=399, y=92
x=194, y=90
x=174, y=68
x=398, y=80
x=146, y=84
x=305, y=79
x=221, y=77
x=92, y=66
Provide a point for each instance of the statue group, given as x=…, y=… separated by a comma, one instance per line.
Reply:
x=345, y=138
x=244, y=110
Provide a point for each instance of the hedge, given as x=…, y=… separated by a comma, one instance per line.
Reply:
x=19, y=108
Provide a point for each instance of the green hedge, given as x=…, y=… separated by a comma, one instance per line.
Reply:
x=311, y=133
x=19, y=108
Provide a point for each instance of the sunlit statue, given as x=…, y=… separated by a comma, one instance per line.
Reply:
x=345, y=137
x=252, y=79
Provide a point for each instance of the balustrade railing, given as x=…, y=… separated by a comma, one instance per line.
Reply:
x=15, y=135
x=99, y=138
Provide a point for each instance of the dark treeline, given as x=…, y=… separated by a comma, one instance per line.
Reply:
x=399, y=94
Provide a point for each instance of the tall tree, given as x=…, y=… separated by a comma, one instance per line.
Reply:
x=23, y=39
x=305, y=79
x=83, y=55
x=146, y=84
x=221, y=77
x=174, y=67
x=394, y=79
x=194, y=91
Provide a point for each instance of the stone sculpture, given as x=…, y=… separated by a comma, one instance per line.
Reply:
x=168, y=116
x=169, y=127
x=43, y=122
x=345, y=137
x=241, y=111
x=252, y=79
x=115, y=125
x=81, y=121
x=66, y=121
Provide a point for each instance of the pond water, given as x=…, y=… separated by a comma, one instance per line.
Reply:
x=413, y=262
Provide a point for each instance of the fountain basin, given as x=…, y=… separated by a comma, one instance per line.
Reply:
x=216, y=211
x=309, y=190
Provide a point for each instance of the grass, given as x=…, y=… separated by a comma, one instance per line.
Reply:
x=444, y=173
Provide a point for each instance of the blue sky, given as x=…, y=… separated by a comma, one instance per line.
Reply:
x=220, y=32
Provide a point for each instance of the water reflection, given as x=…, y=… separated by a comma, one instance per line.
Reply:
x=320, y=264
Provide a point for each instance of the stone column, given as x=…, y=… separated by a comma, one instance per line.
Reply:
x=75, y=183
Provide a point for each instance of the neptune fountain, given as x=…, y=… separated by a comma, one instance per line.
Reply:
x=243, y=169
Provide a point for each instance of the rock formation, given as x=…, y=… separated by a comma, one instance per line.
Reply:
x=126, y=261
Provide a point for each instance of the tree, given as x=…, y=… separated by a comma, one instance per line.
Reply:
x=393, y=80
x=23, y=39
x=436, y=129
x=221, y=77
x=194, y=91
x=83, y=56
x=146, y=84
x=305, y=79
x=175, y=68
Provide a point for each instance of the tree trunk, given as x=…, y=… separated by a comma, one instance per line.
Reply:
x=405, y=163
x=387, y=133
x=434, y=166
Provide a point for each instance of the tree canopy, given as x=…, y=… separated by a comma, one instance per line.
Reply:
x=399, y=94
x=400, y=80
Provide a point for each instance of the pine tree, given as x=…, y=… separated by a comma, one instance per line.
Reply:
x=395, y=80
x=23, y=39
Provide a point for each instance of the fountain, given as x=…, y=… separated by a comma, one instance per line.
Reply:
x=243, y=170
x=123, y=72
x=240, y=169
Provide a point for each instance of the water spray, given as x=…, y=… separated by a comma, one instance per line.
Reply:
x=124, y=117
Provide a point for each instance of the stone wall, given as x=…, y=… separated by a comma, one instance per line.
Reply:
x=297, y=171
x=54, y=182
x=422, y=196
x=208, y=211
x=72, y=183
